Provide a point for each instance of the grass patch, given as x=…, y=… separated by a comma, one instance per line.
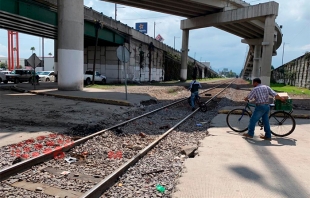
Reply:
x=289, y=89
x=172, y=90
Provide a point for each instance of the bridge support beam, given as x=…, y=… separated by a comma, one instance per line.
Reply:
x=70, y=44
x=56, y=59
x=269, y=38
x=184, y=56
x=256, y=61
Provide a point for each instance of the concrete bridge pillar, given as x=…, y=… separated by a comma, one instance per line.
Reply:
x=70, y=44
x=56, y=59
x=184, y=56
x=267, y=49
x=256, y=61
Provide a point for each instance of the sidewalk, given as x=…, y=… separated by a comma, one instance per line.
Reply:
x=88, y=94
x=230, y=166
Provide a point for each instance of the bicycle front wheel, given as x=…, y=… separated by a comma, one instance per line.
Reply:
x=238, y=120
x=281, y=123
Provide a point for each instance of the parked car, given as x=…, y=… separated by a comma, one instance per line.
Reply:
x=47, y=76
x=3, y=78
x=20, y=75
x=88, y=78
x=5, y=72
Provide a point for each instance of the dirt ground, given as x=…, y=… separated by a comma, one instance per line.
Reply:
x=25, y=115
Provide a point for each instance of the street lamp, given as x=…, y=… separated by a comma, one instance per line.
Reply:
x=154, y=27
x=116, y=10
x=283, y=51
x=174, y=42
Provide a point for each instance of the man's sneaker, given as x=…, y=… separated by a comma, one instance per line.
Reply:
x=193, y=109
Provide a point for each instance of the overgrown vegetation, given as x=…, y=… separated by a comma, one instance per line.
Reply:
x=289, y=89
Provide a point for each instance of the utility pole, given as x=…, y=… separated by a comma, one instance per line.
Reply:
x=115, y=17
x=154, y=28
x=283, y=52
x=115, y=11
x=42, y=54
x=174, y=42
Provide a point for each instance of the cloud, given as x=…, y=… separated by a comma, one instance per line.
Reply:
x=3, y=50
x=89, y=3
x=306, y=47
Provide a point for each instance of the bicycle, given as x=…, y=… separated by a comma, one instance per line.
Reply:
x=202, y=105
x=281, y=122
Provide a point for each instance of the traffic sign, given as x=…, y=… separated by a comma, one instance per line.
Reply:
x=33, y=60
x=122, y=54
x=142, y=27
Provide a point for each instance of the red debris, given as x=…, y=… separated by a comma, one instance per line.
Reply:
x=25, y=156
x=60, y=141
x=52, y=135
x=19, y=145
x=29, y=141
x=59, y=155
x=35, y=154
x=49, y=143
x=26, y=149
x=118, y=155
x=39, y=138
x=38, y=146
x=48, y=150
x=141, y=134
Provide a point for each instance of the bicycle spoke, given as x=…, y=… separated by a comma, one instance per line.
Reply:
x=238, y=120
x=281, y=123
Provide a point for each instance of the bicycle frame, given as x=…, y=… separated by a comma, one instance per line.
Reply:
x=260, y=122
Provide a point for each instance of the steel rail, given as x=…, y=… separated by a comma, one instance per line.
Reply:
x=110, y=180
x=24, y=165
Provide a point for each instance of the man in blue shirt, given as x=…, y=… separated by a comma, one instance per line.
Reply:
x=194, y=86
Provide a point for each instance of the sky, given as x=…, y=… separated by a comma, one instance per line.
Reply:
x=222, y=49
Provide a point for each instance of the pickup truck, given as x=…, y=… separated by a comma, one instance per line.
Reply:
x=20, y=75
x=88, y=78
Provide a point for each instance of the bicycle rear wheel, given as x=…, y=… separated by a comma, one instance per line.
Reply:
x=238, y=120
x=281, y=123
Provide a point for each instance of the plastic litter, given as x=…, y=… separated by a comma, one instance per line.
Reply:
x=70, y=160
x=160, y=188
x=199, y=125
x=65, y=172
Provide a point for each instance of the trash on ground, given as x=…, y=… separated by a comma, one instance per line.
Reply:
x=154, y=171
x=65, y=172
x=160, y=188
x=70, y=160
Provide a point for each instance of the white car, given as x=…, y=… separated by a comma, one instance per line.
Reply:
x=88, y=77
x=3, y=78
x=5, y=72
x=47, y=76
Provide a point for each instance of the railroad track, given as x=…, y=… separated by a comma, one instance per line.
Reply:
x=109, y=180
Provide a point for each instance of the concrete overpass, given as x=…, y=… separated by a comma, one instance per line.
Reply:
x=255, y=24
x=39, y=17
x=252, y=23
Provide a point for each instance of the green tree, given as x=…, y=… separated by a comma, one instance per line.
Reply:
x=32, y=49
x=272, y=67
x=3, y=65
x=50, y=54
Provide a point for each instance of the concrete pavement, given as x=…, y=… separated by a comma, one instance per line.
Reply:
x=87, y=94
x=230, y=166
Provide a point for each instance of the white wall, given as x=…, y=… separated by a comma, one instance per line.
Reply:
x=107, y=63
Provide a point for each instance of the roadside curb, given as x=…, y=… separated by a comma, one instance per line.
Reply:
x=97, y=100
x=303, y=116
